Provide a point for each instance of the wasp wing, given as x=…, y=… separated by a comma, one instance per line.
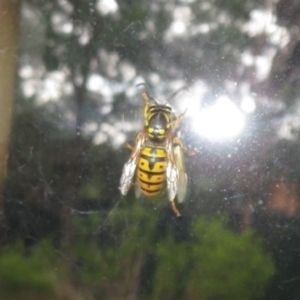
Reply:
x=171, y=171
x=130, y=166
x=182, y=178
x=172, y=180
x=127, y=175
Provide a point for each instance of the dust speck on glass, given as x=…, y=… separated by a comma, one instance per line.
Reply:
x=222, y=223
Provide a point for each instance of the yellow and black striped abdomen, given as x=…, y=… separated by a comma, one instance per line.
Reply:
x=151, y=173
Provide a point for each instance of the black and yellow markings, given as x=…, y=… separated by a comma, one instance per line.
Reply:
x=158, y=108
x=156, y=131
x=151, y=171
x=165, y=114
x=157, y=126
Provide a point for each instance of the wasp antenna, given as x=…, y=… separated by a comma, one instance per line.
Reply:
x=146, y=86
x=148, y=90
x=177, y=92
x=155, y=100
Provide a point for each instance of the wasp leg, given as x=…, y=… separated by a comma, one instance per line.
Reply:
x=128, y=146
x=177, y=141
x=146, y=99
x=176, y=211
x=178, y=119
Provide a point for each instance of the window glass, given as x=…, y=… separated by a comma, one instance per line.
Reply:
x=149, y=149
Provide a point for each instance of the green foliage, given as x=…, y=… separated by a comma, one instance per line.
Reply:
x=173, y=266
x=108, y=255
x=214, y=264
x=111, y=251
x=39, y=272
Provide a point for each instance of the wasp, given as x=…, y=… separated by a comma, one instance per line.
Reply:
x=156, y=159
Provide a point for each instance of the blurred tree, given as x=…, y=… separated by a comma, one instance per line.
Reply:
x=110, y=262
x=107, y=262
x=84, y=41
x=9, y=33
x=88, y=43
x=79, y=63
x=214, y=264
x=282, y=238
x=37, y=276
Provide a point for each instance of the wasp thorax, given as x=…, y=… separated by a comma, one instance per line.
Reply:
x=158, y=123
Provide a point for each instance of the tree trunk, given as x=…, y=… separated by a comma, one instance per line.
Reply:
x=9, y=29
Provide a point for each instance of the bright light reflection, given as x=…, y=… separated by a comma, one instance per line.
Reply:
x=61, y=23
x=221, y=121
x=178, y=27
x=97, y=84
x=248, y=105
x=264, y=22
x=107, y=6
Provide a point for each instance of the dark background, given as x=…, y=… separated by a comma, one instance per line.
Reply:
x=65, y=234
